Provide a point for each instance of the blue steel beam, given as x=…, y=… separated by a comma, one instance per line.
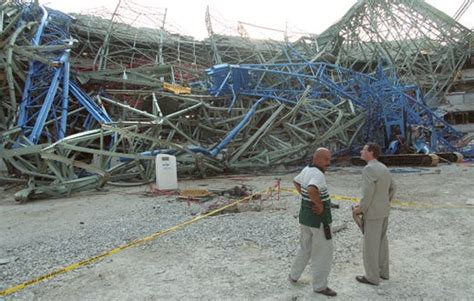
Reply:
x=64, y=98
x=231, y=135
x=96, y=112
x=45, y=108
x=41, y=99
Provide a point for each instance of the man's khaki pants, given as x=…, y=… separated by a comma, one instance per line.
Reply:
x=375, y=251
x=314, y=245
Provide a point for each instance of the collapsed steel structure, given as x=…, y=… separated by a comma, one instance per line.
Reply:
x=89, y=100
x=425, y=46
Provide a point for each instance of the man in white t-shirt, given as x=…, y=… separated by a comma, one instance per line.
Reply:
x=315, y=219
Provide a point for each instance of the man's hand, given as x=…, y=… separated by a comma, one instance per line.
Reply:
x=356, y=210
x=317, y=204
x=318, y=208
x=297, y=186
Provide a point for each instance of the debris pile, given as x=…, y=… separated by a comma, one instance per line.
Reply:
x=87, y=100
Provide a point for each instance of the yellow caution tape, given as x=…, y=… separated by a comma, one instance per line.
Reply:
x=76, y=265
x=409, y=204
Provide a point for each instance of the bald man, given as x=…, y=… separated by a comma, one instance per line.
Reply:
x=315, y=219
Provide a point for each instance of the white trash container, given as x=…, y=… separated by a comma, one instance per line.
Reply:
x=166, y=172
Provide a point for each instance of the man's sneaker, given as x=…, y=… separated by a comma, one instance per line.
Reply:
x=293, y=281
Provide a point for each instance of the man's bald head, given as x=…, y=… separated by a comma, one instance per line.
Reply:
x=322, y=158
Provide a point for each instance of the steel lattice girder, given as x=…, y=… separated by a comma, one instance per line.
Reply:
x=47, y=85
x=425, y=46
x=387, y=103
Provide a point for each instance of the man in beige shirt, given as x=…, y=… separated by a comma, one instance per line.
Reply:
x=378, y=189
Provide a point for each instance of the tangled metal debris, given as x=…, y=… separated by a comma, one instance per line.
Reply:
x=87, y=100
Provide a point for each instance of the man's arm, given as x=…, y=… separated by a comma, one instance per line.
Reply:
x=315, y=197
x=297, y=186
x=368, y=189
x=392, y=189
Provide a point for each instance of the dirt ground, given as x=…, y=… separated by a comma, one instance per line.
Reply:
x=238, y=256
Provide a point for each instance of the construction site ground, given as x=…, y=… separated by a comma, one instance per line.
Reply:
x=237, y=255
